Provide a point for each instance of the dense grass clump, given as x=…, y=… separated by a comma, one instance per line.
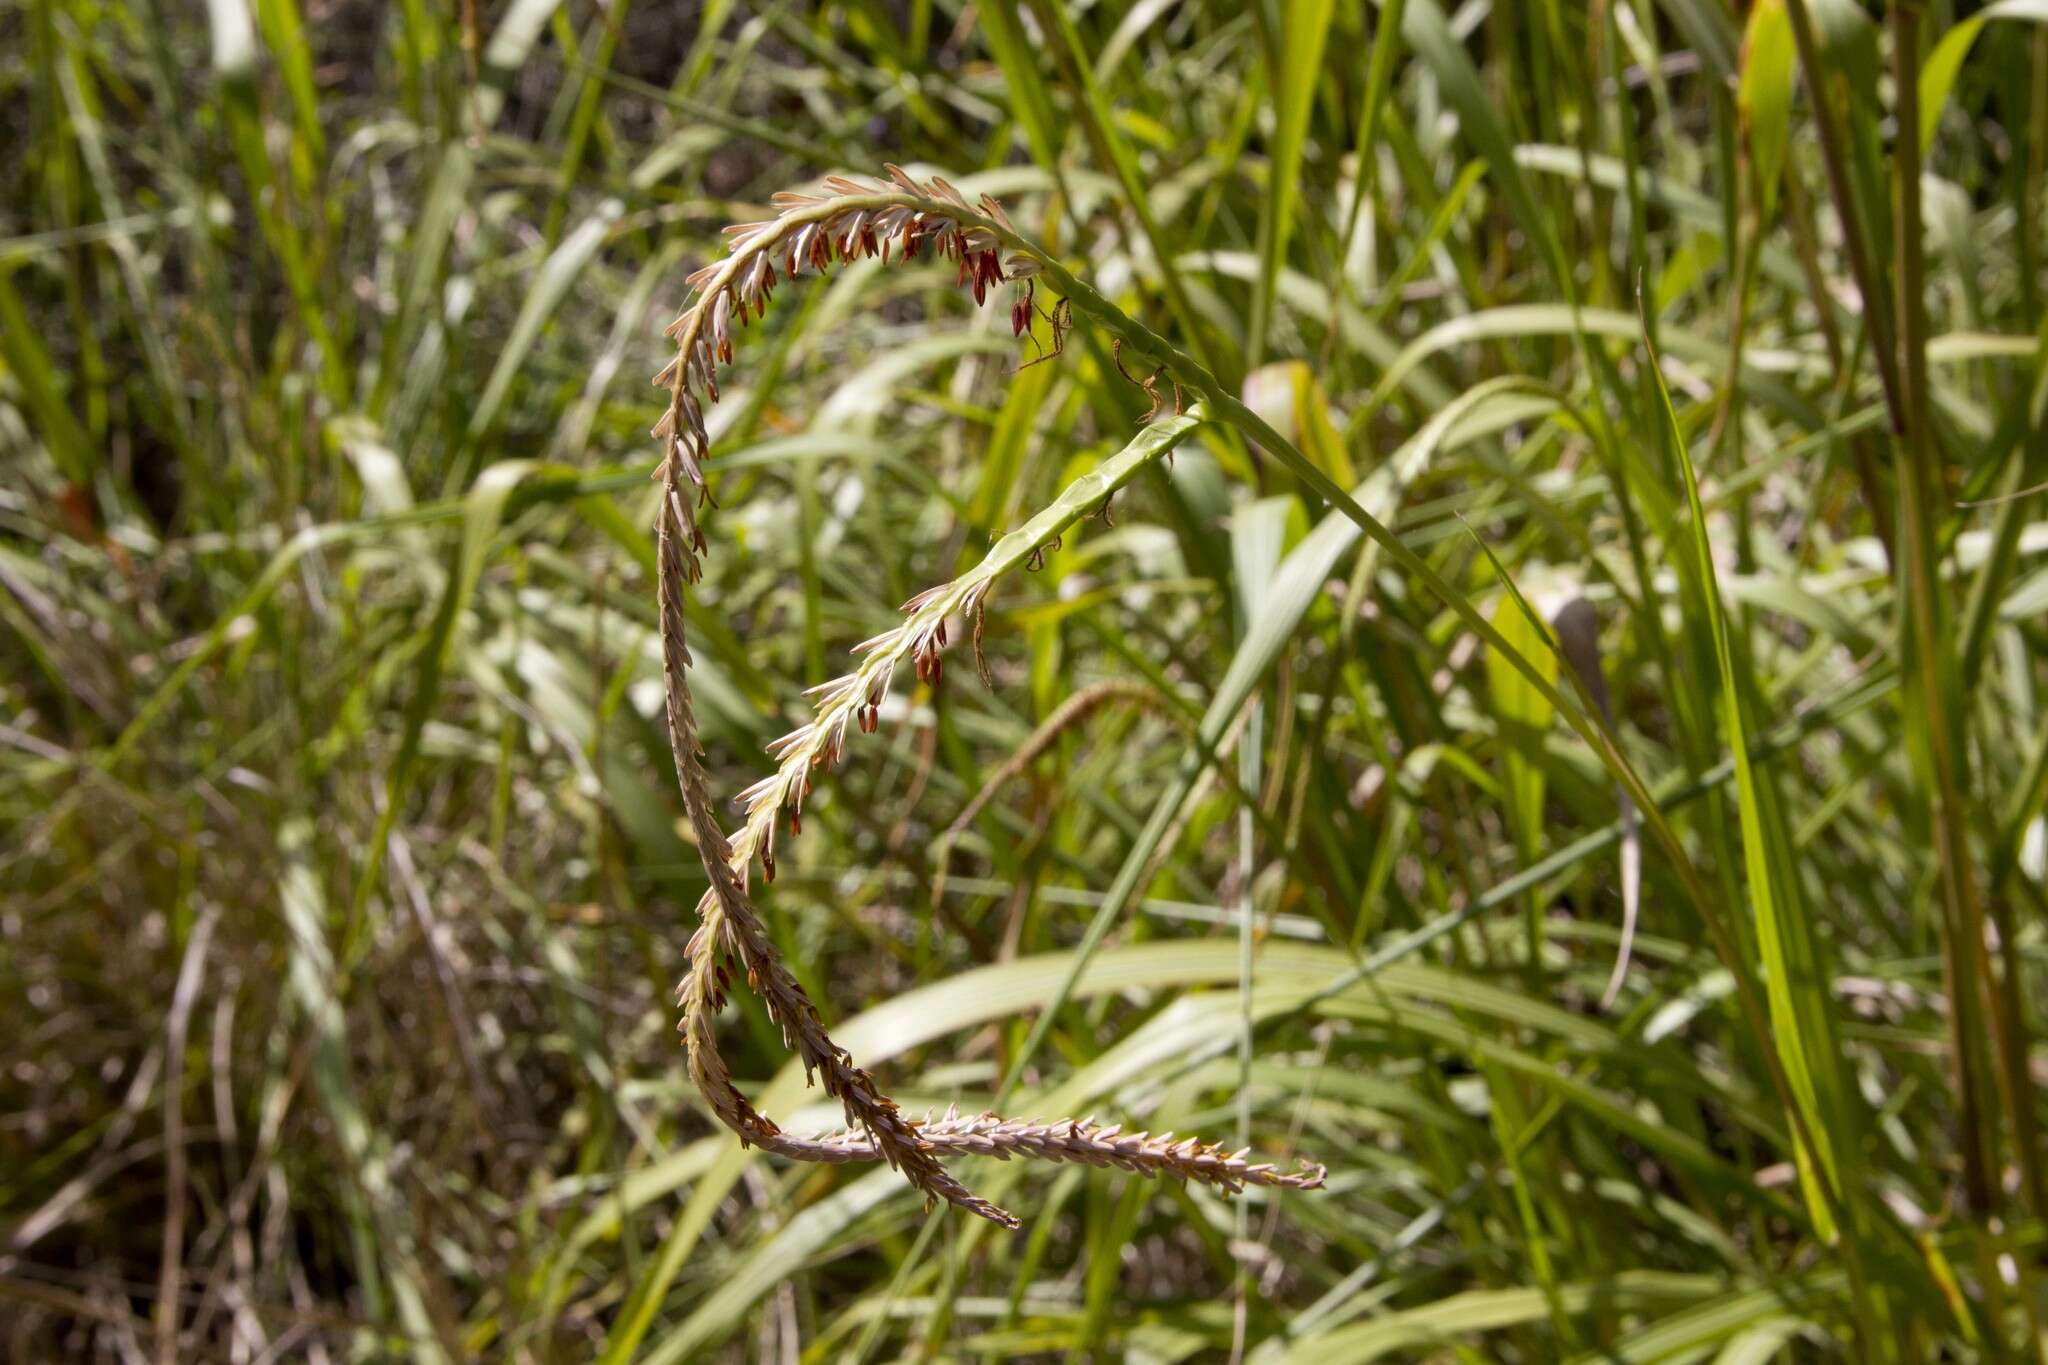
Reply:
x=1491, y=558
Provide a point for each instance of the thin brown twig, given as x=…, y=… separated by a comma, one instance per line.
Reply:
x=191, y=975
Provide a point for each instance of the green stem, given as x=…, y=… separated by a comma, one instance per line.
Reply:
x=1924, y=647
x=1835, y=156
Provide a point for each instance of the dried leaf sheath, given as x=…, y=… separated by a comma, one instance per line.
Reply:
x=856, y=220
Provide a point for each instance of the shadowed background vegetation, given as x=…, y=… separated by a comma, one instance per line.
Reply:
x=343, y=885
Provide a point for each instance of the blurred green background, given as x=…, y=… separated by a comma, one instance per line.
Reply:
x=342, y=883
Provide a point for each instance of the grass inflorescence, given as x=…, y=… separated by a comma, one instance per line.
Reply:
x=1552, y=725
x=852, y=222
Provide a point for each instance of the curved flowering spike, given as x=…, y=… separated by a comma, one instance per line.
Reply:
x=854, y=220
x=1083, y=1142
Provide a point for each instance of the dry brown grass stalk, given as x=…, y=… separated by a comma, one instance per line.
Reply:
x=854, y=220
x=1072, y=712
